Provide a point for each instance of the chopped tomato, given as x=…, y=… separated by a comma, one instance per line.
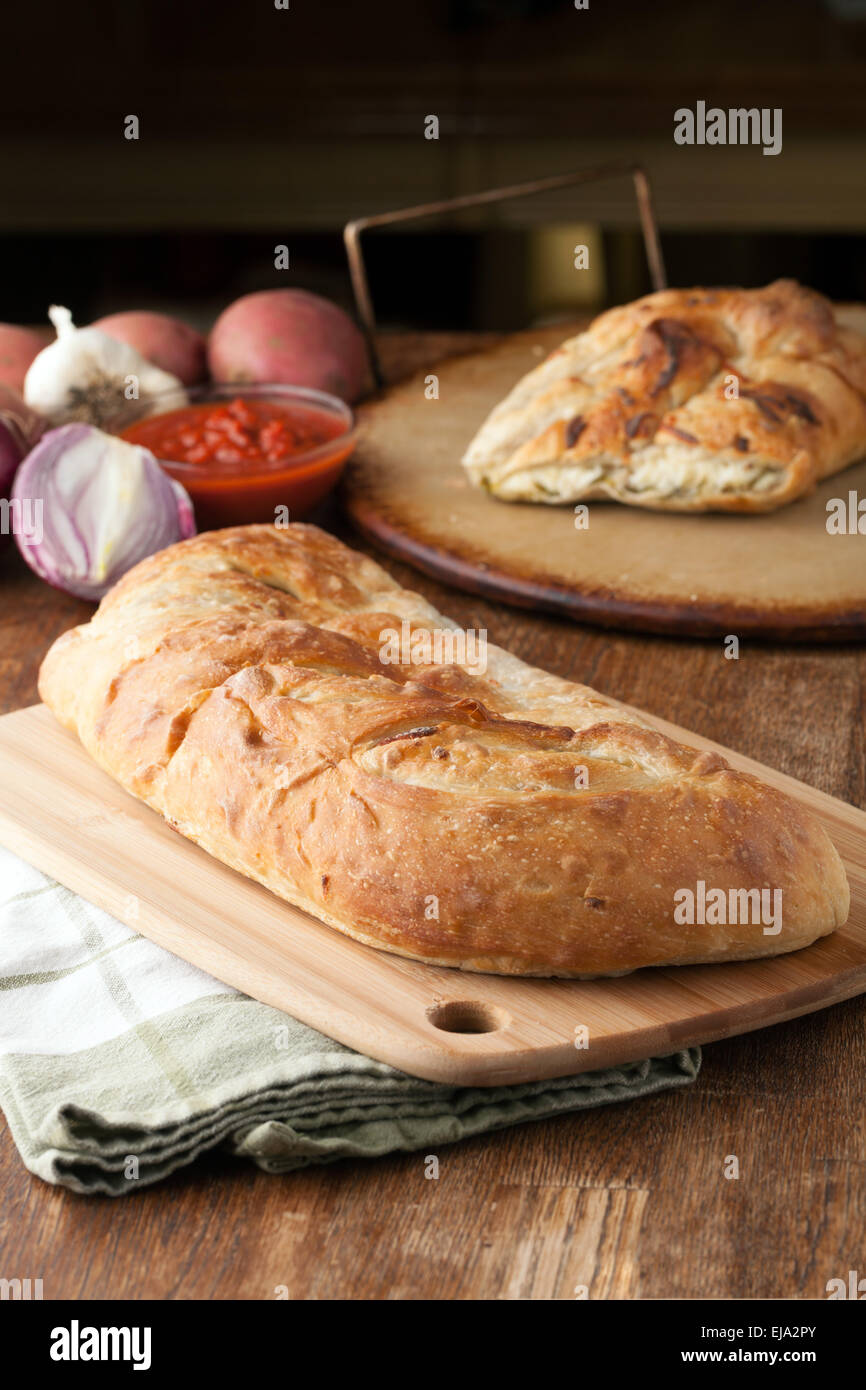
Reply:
x=240, y=459
x=233, y=433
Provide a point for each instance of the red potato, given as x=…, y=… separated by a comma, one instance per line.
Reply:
x=166, y=342
x=290, y=336
x=18, y=347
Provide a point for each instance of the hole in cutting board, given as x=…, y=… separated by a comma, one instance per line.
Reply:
x=467, y=1016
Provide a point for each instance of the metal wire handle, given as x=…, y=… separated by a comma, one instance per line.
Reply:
x=358, y=270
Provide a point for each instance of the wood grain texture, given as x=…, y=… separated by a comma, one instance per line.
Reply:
x=779, y=575
x=60, y=812
x=789, y=1102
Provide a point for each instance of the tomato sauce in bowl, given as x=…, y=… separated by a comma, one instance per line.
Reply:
x=244, y=452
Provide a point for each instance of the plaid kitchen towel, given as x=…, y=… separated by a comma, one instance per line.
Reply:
x=120, y=1063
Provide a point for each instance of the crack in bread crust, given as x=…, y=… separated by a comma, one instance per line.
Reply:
x=637, y=408
x=234, y=683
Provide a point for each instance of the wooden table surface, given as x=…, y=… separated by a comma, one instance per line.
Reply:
x=630, y=1200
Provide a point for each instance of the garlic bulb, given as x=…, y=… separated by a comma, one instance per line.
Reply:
x=86, y=376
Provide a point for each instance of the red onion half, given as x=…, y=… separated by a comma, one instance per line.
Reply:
x=87, y=506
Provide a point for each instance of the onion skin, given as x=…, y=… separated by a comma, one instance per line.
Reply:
x=10, y=457
x=98, y=506
x=20, y=428
x=165, y=341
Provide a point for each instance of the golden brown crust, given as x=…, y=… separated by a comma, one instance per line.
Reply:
x=640, y=408
x=234, y=683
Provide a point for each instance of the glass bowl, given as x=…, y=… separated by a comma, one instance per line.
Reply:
x=259, y=489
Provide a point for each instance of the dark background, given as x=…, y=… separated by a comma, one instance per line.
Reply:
x=262, y=127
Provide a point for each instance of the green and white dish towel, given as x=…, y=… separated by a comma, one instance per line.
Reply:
x=120, y=1063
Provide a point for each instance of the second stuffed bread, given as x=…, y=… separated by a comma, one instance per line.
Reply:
x=687, y=400
x=499, y=820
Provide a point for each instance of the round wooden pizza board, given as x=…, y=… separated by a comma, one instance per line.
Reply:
x=780, y=575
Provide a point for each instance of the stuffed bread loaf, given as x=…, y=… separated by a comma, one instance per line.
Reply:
x=505, y=821
x=686, y=400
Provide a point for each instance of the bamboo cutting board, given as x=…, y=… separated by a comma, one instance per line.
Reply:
x=60, y=812
x=780, y=575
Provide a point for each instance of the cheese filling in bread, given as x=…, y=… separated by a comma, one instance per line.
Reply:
x=509, y=821
x=687, y=400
